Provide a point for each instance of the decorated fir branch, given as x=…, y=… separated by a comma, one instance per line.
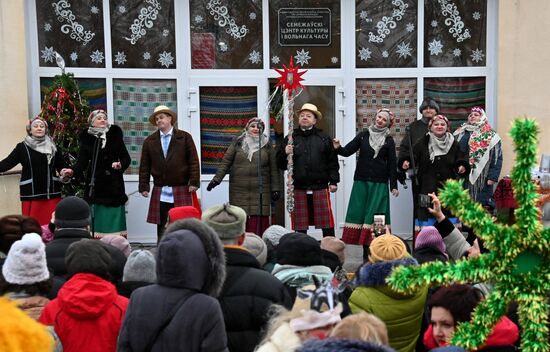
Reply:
x=518, y=264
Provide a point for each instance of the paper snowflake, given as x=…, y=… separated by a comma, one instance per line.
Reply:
x=302, y=57
x=166, y=59
x=457, y=52
x=435, y=47
x=477, y=55
x=364, y=15
x=334, y=60
x=122, y=9
x=254, y=57
x=73, y=56
x=517, y=264
x=476, y=16
x=146, y=56
x=275, y=60
x=198, y=19
x=404, y=50
x=385, y=54
x=434, y=23
x=120, y=57
x=94, y=9
x=252, y=16
x=48, y=54
x=365, y=54
x=165, y=32
x=410, y=27
x=223, y=47
x=47, y=27
x=97, y=57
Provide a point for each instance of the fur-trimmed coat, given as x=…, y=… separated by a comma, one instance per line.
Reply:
x=190, y=269
x=109, y=183
x=401, y=312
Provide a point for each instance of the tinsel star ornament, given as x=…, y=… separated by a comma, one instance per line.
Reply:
x=290, y=78
x=518, y=262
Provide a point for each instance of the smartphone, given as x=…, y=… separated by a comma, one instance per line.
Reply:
x=424, y=201
x=379, y=226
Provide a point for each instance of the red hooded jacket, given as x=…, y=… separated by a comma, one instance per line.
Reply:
x=86, y=315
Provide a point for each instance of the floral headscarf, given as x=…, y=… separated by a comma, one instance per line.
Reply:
x=250, y=143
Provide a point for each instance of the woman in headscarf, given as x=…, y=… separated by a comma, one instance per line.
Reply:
x=438, y=158
x=108, y=195
x=42, y=170
x=483, y=146
x=376, y=167
x=250, y=162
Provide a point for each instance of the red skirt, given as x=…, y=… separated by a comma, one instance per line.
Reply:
x=40, y=209
x=257, y=224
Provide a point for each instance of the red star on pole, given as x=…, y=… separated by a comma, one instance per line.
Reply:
x=290, y=77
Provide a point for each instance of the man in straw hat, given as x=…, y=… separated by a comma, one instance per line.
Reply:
x=315, y=172
x=170, y=156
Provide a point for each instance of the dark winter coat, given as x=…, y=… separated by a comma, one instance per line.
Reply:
x=244, y=183
x=416, y=130
x=342, y=345
x=179, y=168
x=432, y=176
x=126, y=288
x=379, y=169
x=109, y=187
x=247, y=294
x=190, y=269
x=315, y=160
x=38, y=179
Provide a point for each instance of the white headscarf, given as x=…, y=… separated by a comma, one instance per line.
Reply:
x=250, y=143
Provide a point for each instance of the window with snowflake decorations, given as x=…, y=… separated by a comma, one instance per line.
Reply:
x=385, y=33
x=74, y=29
x=143, y=34
x=455, y=33
x=308, y=31
x=226, y=34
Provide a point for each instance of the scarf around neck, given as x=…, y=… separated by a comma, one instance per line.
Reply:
x=439, y=145
x=44, y=145
x=251, y=144
x=99, y=132
x=377, y=138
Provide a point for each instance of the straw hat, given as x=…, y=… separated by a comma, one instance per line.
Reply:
x=165, y=109
x=313, y=109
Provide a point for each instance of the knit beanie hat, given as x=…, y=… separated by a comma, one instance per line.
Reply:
x=119, y=242
x=72, y=212
x=299, y=249
x=387, y=247
x=334, y=245
x=429, y=102
x=274, y=233
x=26, y=261
x=184, y=212
x=140, y=266
x=227, y=220
x=88, y=256
x=430, y=237
x=256, y=246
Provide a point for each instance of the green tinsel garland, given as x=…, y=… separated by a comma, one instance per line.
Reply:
x=518, y=263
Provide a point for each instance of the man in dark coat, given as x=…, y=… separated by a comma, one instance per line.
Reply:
x=170, y=156
x=180, y=312
x=315, y=172
x=248, y=291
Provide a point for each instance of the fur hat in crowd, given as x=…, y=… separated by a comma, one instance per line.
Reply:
x=387, y=247
x=26, y=261
x=256, y=246
x=334, y=245
x=299, y=249
x=88, y=256
x=13, y=227
x=119, y=242
x=184, y=212
x=227, y=220
x=342, y=345
x=430, y=237
x=429, y=102
x=274, y=233
x=141, y=266
x=72, y=212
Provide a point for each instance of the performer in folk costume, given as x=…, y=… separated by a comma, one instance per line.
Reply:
x=103, y=144
x=375, y=167
x=170, y=156
x=438, y=158
x=480, y=142
x=250, y=162
x=42, y=170
x=315, y=172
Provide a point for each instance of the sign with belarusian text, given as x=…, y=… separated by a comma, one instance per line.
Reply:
x=304, y=26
